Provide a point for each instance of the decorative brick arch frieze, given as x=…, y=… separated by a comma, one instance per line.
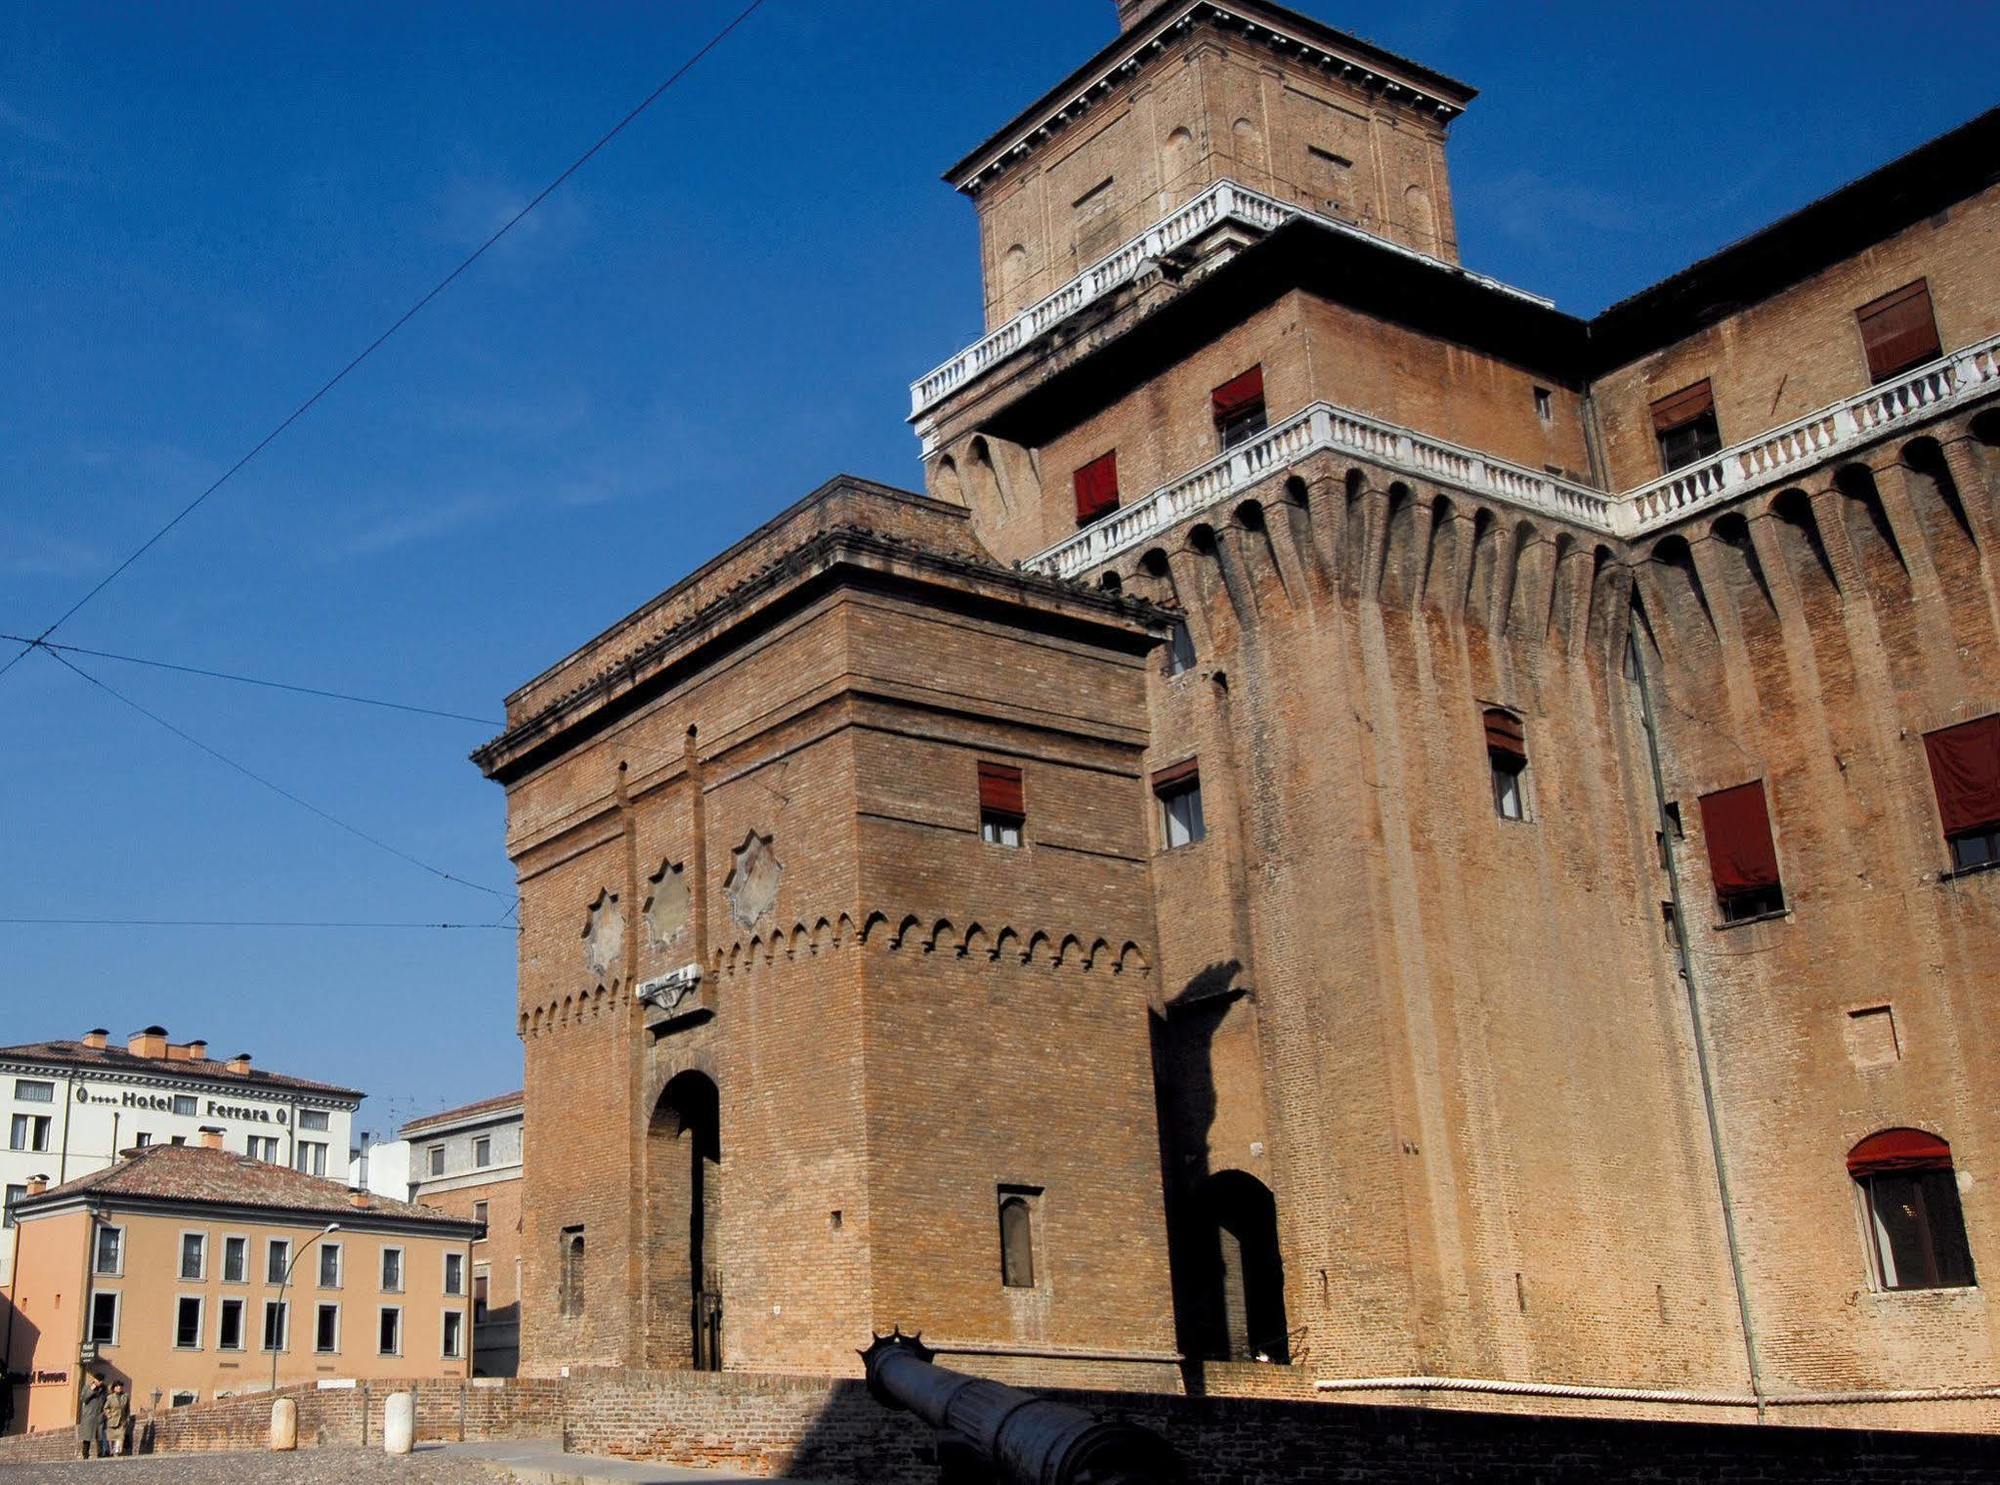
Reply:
x=915, y=934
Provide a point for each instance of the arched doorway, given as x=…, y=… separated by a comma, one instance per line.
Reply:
x=684, y=1205
x=1245, y=1319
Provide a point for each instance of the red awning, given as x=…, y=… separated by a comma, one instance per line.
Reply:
x=1241, y=392
x=1504, y=735
x=1738, y=830
x=1097, y=487
x=1179, y=773
x=1899, y=330
x=1965, y=770
x=1000, y=790
x=1898, y=1150
x=1683, y=407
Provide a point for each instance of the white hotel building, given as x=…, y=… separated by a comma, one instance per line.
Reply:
x=69, y=1107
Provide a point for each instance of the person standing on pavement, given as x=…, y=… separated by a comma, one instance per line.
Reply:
x=90, y=1416
x=117, y=1415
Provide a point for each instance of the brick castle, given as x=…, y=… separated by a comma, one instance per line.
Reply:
x=1366, y=838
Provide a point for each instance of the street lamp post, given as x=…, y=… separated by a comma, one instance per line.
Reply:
x=284, y=1317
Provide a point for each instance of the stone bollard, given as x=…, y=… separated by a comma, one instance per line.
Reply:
x=284, y=1425
x=399, y=1423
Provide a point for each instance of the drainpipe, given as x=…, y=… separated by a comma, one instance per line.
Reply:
x=1694, y=1013
x=7, y=1354
x=69, y=1104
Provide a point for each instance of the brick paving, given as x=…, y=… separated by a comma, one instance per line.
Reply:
x=428, y=1466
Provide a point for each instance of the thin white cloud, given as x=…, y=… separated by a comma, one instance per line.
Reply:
x=407, y=528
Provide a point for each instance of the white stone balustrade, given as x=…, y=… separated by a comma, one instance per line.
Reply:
x=1225, y=201
x=1770, y=458
x=1322, y=426
x=1785, y=453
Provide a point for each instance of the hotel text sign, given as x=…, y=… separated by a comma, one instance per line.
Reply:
x=163, y=1103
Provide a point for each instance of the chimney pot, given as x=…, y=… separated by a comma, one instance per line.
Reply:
x=210, y=1136
x=150, y=1043
x=37, y=1185
x=240, y=1064
x=198, y=1050
x=97, y=1038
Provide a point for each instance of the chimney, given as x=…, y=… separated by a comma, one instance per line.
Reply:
x=240, y=1064
x=97, y=1039
x=210, y=1137
x=37, y=1185
x=1131, y=12
x=152, y=1042
x=197, y=1050
x=359, y=1199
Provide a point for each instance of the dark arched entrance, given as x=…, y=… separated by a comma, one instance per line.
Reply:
x=684, y=1200
x=1244, y=1312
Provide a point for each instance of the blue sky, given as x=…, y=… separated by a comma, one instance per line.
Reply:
x=205, y=209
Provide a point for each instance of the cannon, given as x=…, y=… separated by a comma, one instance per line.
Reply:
x=992, y=1434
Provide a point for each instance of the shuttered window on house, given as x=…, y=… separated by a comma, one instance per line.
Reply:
x=1097, y=488
x=1003, y=808
x=1507, y=757
x=1965, y=772
x=1684, y=426
x=1239, y=408
x=1742, y=857
x=1899, y=330
x=1909, y=1198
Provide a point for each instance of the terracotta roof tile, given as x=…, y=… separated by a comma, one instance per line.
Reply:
x=197, y=1174
x=464, y=1111
x=203, y=1070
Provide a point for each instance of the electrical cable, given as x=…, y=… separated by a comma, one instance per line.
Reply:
x=278, y=789
x=379, y=341
x=251, y=680
x=246, y=923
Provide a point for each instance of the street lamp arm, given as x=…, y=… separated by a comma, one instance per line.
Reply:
x=284, y=1316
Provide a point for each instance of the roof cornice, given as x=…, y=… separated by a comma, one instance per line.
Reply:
x=1399, y=79
x=167, y=1075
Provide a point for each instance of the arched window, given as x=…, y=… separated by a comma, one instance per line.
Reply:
x=572, y=1272
x=1017, y=1238
x=1909, y=1200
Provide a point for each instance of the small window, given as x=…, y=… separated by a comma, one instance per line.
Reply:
x=1685, y=426
x=1965, y=773
x=1545, y=404
x=454, y=1334
x=277, y=1325
x=34, y=1090
x=1003, y=806
x=1899, y=331
x=104, y=1319
x=482, y=1290
x=264, y=1147
x=1507, y=760
x=326, y=1330
x=1909, y=1198
x=311, y=1158
x=330, y=1258
x=314, y=1120
x=436, y=1159
x=185, y=1105
x=278, y=1261
x=479, y=1214
x=572, y=1290
x=183, y=1398
x=110, y=1252
x=187, y=1324
x=482, y=1153
x=392, y=1270
x=229, y=1330
x=1238, y=406
x=235, y=1260
x=29, y=1132
x=390, y=1339
x=1742, y=856
x=1179, y=791
x=454, y=1273
x=1180, y=648
x=142, y=1141
x=1097, y=489
x=1017, y=1236
x=14, y=1194
x=194, y=1256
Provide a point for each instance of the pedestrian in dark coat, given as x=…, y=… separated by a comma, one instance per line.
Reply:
x=90, y=1416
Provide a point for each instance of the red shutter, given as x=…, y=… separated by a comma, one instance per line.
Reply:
x=1738, y=830
x=1245, y=391
x=1097, y=487
x=1181, y=773
x=1899, y=330
x=1965, y=770
x=1683, y=407
x=1898, y=1149
x=1504, y=735
x=1000, y=791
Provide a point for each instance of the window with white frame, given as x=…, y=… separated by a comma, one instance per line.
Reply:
x=330, y=1259
x=187, y=1322
x=390, y=1338
x=392, y=1270
x=326, y=1330
x=264, y=1147
x=454, y=1334
x=314, y=1120
x=1179, y=791
x=104, y=1309
x=194, y=1256
x=30, y=1132
x=312, y=1157
x=277, y=1325
x=109, y=1259
x=482, y=1151
x=235, y=1260
x=278, y=1261
x=435, y=1157
x=186, y=1105
x=34, y=1090
x=229, y=1328
x=454, y=1273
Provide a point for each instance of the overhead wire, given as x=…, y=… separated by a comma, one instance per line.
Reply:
x=258, y=778
x=380, y=340
x=251, y=680
x=250, y=923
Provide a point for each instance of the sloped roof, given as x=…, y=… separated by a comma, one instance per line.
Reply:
x=463, y=1113
x=199, y=1175
x=67, y=1054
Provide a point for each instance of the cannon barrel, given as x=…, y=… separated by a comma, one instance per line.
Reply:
x=1020, y=1438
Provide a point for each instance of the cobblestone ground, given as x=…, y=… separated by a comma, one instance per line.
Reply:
x=308, y=1467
